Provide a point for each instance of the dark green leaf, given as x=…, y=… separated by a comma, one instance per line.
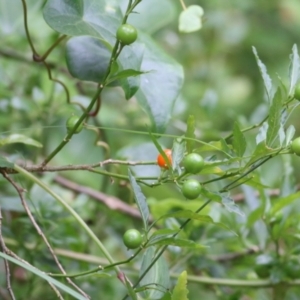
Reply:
x=274, y=119
x=87, y=58
x=140, y=199
x=158, y=274
x=266, y=78
x=84, y=17
x=239, y=142
x=190, y=133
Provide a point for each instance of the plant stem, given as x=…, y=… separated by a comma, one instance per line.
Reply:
x=71, y=210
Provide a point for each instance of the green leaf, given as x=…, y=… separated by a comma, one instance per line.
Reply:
x=125, y=74
x=87, y=58
x=231, y=206
x=95, y=18
x=266, y=78
x=19, y=138
x=283, y=202
x=150, y=16
x=239, y=142
x=190, y=133
x=187, y=214
x=4, y=163
x=274, y=119
x=159, y=88
x=190, y=19
x=178, y=150
x=44, y=276
x=140, y=199
x=180, y=291
x=294, y=70
x=290, y=132
x=172, y=241
x=158, y=274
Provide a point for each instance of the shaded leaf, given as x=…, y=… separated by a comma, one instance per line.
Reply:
x=262, y=133
x=20, y=138
x=180, y=291
x=140, y=199
x=158, y=273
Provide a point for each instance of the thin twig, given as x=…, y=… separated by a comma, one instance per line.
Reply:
x=7, y=269
x=20, y=191
x=110, y=201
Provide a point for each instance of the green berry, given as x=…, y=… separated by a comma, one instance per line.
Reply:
x=132, y=238
x=71, y=122
x=193, y=163
x=126, y=34
x=191, y=189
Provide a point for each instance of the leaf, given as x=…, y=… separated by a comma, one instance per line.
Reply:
x=159, y=88
x=95, y=18
x=125, y=74
x=282, y=202
x=173, y=241
x=150, y=16
x=294, y=70
x=231, y=206
x=262, y=133
x=190, y=19
x=44, y=276
x=4, y=163
x=87, y=58
x=266, y=78
x=188, y=214
x=178, y=151
x=157, y=275
x=190, y=133
x=289, y=134
x=180, y=291
x=239, y=142
x=274, y=119
x=20, y=138
x=140, y=199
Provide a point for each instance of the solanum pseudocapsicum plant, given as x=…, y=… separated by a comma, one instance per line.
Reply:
x=109, y=52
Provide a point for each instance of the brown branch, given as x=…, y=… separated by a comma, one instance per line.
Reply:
x=20, y=192
x=110, y=201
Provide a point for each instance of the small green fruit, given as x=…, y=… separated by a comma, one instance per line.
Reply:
x=126, y=34
x=71, y=122
x=191, y=189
